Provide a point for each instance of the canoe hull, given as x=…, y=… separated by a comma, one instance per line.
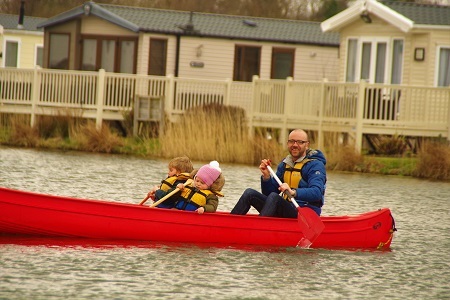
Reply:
x=27, y=213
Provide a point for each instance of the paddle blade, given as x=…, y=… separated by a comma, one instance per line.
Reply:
x=310, y=224
x=304, y=243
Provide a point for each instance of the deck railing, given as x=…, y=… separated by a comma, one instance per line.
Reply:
x=352, y=108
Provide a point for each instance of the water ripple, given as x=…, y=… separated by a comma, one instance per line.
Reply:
x=417, y=267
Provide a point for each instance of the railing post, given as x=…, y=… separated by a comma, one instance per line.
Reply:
x=320, y=138
x=35, y=91
x=360, y=115
x=228, y=91
x=284, y=130
x=139, y=85
x=100, y=98
x=252, y=110
x=448, y=115
x=170, y=96
x=136, y=113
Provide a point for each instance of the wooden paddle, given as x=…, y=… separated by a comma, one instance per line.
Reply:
x=188, y=182
x=310, y=223
x=144, y=200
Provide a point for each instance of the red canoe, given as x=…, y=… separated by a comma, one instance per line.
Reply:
x=32, y=214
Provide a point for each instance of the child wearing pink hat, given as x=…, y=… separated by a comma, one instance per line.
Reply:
x=203, y=195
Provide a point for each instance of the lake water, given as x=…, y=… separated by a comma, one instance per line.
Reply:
x=417, y=267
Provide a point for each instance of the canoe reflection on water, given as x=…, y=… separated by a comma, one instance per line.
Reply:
x=64, y=221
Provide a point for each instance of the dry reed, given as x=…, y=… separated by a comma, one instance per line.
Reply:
x=59, y=125
x=345, y=158
x=22, y=134
x=220, y=133
x=92, y=139
x=433, y=161
x=340, y=154
x=215, y=132
x=389, y=145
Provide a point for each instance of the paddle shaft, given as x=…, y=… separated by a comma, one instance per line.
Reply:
x=165, y=197
x=188, y=182
x=280, y=183
x=309, y=222
x=144, y=200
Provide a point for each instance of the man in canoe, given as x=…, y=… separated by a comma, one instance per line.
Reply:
x=303, y=175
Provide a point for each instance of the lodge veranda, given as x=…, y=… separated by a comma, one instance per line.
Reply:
x=353, y=109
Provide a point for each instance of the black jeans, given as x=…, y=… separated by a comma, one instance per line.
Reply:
x=272, y=205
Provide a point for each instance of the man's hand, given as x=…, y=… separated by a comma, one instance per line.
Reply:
x=263, y=168
x=284, y=188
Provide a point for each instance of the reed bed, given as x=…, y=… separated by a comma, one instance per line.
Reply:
x=433, y=161
x=215, y=132
x=93, y=139
x=221, y=133
x=22, y=134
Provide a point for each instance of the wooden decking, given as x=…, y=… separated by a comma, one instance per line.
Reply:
x=354, y=109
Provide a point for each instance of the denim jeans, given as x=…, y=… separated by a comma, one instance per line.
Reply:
x=272, y=205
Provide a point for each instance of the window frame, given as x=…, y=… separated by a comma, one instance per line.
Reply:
x=50, y=48
x=374, y=42
x=239, y=61
x=82, y=53
x=438, y=61
x=275, y=51
x=164, y=59
x=36, y=49
x=5, y=52
x=117, y=50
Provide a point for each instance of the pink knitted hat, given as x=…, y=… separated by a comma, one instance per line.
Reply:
x=209, y=173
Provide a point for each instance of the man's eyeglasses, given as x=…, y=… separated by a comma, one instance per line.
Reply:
x=299, y=142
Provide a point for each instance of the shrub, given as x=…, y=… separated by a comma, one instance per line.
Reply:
x=24, y=135
x=97, y=140
x=345, y=158
x=433, y=161
x=392, y=145
x=388, y=145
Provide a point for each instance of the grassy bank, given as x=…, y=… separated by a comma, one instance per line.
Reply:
x=216, y=133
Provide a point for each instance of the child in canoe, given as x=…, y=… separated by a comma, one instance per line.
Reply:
x=179, y=171
x=203, y=194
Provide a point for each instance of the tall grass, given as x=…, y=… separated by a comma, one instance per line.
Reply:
x=216, y=132
x=23, y=134
x=93, y=139
x=345, y=158
x=389, y=145
x=219, y=133
x=340, y=155
x=433, y=161
x=62, y=131
x=59, y=125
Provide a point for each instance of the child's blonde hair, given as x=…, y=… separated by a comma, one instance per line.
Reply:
x=182, y=164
